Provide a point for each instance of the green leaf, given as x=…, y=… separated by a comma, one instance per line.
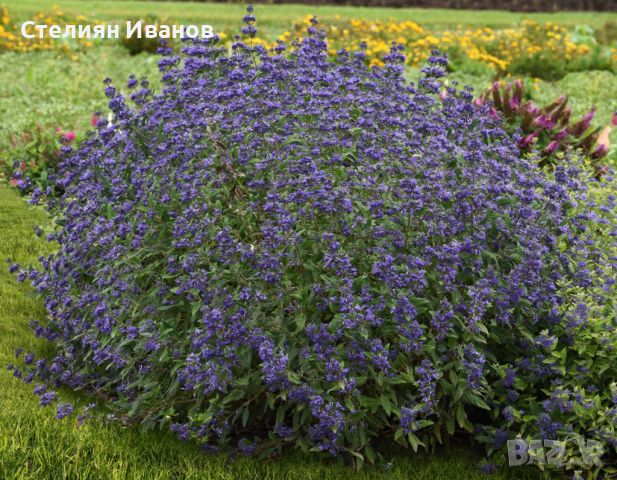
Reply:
x=233, y=396
x=476, y=401
x=414, y=441
x=461, y=416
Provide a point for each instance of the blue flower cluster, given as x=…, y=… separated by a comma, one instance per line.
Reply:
x=279, y=249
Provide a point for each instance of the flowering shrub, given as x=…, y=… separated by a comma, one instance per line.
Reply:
x=282, y=250
x=32, y=161
x=541, y=50
x=550, y=51
x=548, y=129
x=12, y=39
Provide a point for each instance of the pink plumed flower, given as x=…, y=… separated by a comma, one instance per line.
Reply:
x=600, y=152
x=94, y=121
x=518, y=86
x=544, y=121
x=586, y=121
x=531, y=109
x=551, y=147
x=614, y=119
x=528, y=140
x=69, y=136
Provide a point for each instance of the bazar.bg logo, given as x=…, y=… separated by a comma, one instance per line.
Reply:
x=573, y=451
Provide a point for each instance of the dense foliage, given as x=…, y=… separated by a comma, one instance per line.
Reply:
x=607, y=34
x=283, y=250
x=32, y=161
x=140, y=42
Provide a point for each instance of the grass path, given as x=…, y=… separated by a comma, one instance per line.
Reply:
x=36, y=446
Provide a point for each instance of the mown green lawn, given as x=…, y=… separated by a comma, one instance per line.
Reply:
x=34, y=445
x=277, y=16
